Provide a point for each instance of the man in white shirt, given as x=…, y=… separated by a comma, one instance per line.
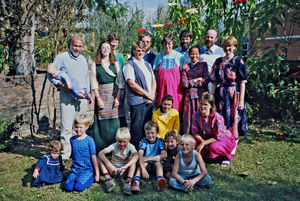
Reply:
x=210, y=52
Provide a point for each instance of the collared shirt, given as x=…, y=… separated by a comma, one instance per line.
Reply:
x=187, y=58
x=77, y=68
x=120, y=158
x=209, y=56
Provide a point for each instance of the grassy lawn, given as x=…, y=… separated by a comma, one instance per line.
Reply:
x=271, y=157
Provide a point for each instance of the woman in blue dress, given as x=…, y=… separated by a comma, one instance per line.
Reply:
x=229, y=78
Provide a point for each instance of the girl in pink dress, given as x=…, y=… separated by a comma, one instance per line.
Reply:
x=213, y=140
x=168, y=64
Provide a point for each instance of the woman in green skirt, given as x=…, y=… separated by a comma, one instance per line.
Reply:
x=105, y=71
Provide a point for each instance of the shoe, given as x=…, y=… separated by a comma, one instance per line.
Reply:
x=110, y=185
x=127, y=189
x=162, y=184
x=225, y=163
x=135, y=187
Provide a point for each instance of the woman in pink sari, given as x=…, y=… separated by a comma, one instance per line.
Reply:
x=213, y=140
x=168, y=65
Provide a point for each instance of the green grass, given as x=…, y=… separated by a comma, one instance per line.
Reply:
x=278, y=158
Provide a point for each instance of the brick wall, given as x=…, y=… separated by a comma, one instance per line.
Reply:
x=30, y=96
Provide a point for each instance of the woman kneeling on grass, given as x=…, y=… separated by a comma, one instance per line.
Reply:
x=213, y=140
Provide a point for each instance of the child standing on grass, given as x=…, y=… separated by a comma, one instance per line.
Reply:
x=84, y=169
x=172, y=139
x=49, y=169
x=124, y=158
x=166, y=117
x=189, y=172
x=152, y=151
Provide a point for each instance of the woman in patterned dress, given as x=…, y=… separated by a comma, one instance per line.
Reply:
x=194, y=82
x=105, y=71
x=213, y=140
x=168, y=64
x=229, y=77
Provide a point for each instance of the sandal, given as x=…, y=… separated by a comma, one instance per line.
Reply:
x=225, y=163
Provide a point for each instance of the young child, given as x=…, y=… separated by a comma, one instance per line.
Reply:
x=58, y=77
x=166, y=117
x=84, y=161
x=152, y=151
x=49, y=169
x=172, y=139
x=124, y=158
x=192, y=176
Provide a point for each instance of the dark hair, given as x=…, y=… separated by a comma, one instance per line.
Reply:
x=113, y=36
x=145, y=34
x=168, y=37
x=151, y=124
x=186, y=33
x=210, y=98
x=194, y=47
x=98, y=57
x=166, y=97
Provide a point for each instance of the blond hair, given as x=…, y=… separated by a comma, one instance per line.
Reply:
x=82, y=119
x=55, y=146
x=230, y=40
x=122, y=134
x=174, y=134
x=187, y=138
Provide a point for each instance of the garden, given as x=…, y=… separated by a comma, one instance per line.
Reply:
x=267, y=165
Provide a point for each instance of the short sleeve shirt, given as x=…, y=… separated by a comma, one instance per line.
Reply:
x=152, y=149
x=120, y=158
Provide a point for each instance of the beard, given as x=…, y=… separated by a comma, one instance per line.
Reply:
x=184, y=46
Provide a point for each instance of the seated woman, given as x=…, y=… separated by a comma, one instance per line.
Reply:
x=166, y=117
x=213, y=140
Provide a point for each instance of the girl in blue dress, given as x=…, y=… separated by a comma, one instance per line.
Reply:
x=84, y=169
x=48, y=170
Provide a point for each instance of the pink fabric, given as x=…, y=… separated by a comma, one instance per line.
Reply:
x=169, y=82
x=213, y=127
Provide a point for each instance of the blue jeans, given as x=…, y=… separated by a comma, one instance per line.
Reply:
x=205, y=182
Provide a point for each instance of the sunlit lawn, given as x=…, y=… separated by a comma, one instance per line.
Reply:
x=270, y=158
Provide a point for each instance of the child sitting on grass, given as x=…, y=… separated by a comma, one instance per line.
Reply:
x=84, y=160
x=152, y=151
x=49, y=169
x=58, y=77
x=124, y=158
x=172, y=139
x=192, y=176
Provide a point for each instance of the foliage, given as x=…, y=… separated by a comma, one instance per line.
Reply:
x=3, y=56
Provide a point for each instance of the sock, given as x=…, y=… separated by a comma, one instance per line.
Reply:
x=137, y=179
x=107, y=177
x=128, y=180
x=159, y=177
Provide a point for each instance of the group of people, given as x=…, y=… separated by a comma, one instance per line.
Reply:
x=199, y=92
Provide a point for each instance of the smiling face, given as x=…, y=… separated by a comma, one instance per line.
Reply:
x=186, y=147
x=114, y=44
x=80, y=130
x=54, y=154
x=151, y=134
x=194, y=55
x=76, y=46
x=210, y=38
x=229, y=49
x=147, y=41
x=205, y=108
x=105, y=49
x=171, y=143
x=185, y=42
x=168, y=47
x=122, y=143
x=139, y=53
x=166, y=106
